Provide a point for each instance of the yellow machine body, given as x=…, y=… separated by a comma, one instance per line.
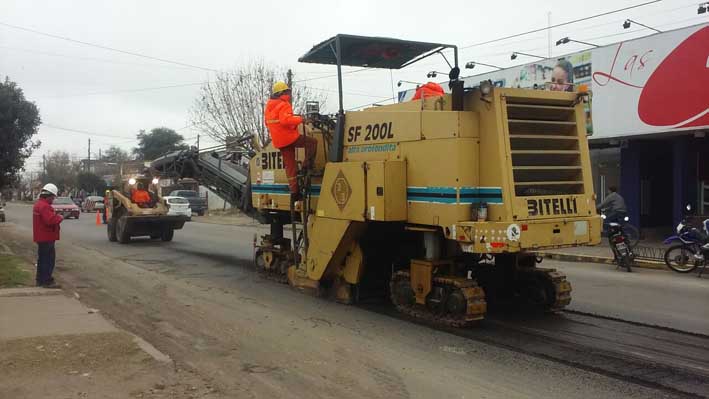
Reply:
x=509, y=174
x=126, y=219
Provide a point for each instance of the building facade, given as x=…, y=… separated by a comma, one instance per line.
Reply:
x=648, y=120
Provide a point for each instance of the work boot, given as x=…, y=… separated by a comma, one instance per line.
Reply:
x=49, y=284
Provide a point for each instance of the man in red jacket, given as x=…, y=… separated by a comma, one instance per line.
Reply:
x=283, y=127
x=45, y=229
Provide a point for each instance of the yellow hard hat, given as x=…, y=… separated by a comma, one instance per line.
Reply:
x=279, y=87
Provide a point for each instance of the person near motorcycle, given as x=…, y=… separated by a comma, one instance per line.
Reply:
x=613, y=206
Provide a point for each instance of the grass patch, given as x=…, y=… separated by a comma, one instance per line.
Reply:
x=13, y=273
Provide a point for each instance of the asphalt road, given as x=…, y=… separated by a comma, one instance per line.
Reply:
x=198, y=299
x=655, y=297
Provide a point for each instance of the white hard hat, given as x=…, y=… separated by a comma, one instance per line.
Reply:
x=51, y=188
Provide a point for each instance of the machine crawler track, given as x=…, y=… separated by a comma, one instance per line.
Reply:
x=469, y=297
x=554, y=291
x=278, y=269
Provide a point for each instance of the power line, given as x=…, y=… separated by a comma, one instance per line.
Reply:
x=561, y=24
x=129, y=90
x=83, y=131
x=105, y=60
x=333, y=75
x=106, y=47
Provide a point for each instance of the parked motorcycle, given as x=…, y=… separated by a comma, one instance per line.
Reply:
x=690, y=249
x=620, y=246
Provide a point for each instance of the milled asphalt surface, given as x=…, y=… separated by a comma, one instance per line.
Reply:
x=219, y=256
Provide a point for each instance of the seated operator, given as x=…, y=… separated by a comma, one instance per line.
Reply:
x=140, y=196
x=429, y=89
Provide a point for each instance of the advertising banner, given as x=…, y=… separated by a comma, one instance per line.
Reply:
x=658, y=83
x=655, y=84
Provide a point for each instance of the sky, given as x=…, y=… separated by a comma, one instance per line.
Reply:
x=85, y=92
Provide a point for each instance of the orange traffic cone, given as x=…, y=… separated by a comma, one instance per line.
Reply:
x=98, y=218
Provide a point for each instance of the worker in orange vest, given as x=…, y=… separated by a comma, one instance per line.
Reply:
x=429, y=89
x=283, y=127
x=140, y=196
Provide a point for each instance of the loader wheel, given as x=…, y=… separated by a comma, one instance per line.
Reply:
x=167, y=234
x=121, y=231
x=111, y=231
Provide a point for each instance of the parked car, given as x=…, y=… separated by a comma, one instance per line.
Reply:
x=93, y=203
x=178, y=206
x=197, y=203
x=66, y=207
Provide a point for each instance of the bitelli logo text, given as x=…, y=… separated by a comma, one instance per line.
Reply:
x=552, y=206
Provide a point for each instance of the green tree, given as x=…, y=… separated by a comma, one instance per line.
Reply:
x=19, y=120
x=159, y=141
x=115, y=154
x=61, y=170
x=90, y=182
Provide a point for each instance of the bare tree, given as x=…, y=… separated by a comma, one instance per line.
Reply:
x=232, y=105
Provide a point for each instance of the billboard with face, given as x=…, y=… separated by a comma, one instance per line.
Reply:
x=654, y=84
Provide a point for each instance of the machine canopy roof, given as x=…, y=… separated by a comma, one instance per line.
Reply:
x=371, y=52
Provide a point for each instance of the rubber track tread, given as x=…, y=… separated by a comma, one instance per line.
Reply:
x=562, y=288
x=474, y=295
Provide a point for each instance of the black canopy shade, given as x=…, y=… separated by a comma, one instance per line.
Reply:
x=371, y=52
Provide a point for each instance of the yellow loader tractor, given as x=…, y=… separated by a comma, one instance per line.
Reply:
x=126, y=218
x=441, y=203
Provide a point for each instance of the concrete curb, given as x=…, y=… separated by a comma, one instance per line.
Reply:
x=644, y=264
x=28, y=291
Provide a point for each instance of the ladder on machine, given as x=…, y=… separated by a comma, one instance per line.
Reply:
x=299, y=219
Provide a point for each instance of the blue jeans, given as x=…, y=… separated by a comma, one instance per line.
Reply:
x=45, y=262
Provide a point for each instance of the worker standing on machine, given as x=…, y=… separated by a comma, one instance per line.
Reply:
x=283, y=127
x=430, y=89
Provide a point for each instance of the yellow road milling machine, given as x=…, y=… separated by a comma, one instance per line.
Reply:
x=126, y=218
x=441, y=204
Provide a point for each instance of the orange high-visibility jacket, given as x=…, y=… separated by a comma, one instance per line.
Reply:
x=429, y=89
x=281, y=122
x=140, y=196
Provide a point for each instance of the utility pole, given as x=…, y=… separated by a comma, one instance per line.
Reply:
x=289, y=78
x=88, y=161
x=197, y=142
x=99, y=154
x=549, y=32
x=44, y=165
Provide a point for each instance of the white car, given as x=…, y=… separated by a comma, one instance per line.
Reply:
x=177, y=206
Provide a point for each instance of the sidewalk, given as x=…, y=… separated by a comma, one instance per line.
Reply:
x=53, y=346
x=226, y=218
x=602, y=254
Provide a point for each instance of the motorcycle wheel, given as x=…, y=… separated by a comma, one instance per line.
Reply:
x=680, y=258
x=632, y=234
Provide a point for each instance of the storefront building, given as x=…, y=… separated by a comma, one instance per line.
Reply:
x=648, y=121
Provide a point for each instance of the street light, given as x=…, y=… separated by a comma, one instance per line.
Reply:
x=703, y=7
x=516, y=53
x=471, y=65
x=398, y=84
x=628, y=22
x=565, y=40
x=433, y=74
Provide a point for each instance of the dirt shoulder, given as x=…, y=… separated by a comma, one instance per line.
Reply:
x=53, y=346
x=106, y=365
x=244, y=336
